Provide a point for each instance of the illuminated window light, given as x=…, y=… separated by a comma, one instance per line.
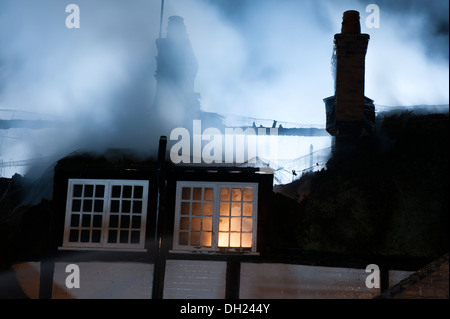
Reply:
x=215, y=216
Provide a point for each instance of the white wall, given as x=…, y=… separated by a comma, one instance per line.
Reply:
x=286, y=281
x=194, y=279
x=105, y=280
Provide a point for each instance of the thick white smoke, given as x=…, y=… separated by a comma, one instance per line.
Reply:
x=264, y=59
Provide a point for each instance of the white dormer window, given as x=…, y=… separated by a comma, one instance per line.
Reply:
x=212, y=216
x=105, y=214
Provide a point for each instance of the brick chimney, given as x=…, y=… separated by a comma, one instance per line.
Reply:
x=349, y=112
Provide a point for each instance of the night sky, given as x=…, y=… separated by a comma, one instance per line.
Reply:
x=267, y=59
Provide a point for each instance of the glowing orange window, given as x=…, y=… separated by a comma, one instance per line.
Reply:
x=215, y=216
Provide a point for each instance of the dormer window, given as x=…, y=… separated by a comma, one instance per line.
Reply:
x=105, y=214
x=220, y=217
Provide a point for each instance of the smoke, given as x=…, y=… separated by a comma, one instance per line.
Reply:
x=407, y=59
x=282, y=69
x=271, y=59
x=263, y=59
x=97, y=79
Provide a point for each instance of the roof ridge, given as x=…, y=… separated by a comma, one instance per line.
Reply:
x=414, y=277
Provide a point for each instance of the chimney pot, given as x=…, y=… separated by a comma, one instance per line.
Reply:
x=350, y=22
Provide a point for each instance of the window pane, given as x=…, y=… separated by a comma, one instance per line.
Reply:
x=236, y=224
x=74, y=220
x=246, y=240
x=206, y=239
x=235, y=239
x=86, y=220
x=247, y=224
x=137, y=206
x=124, y=221
x=197, y=193
x=76, y=205
x=115, y=206
x=115, y=193
x=186, y=193
x=77, y=190
x=138, y=191
x=124, y=236
x=207, y=224
x=96, y=235
x=113, y=221
x=97, y=221
x=195, y=224
x=236, y=209
x=73, y=235
x=184, y=223
x=135, y=237
x=225, y=194
x=127, y=191
x=91, y=199
x=87, y=205
x=185, y=208
x=136, y=222
x=98, y=206
x=126, y=206
x=248, y=194
x=84, y=238
x=224, y=209
x=112, y=236
x=100, y=191
x=224, y=224
x=209, y=194
x=236, y=195
x=207, y=209
x=196, y=208
x=197, y=220
x=88, y=190
x=195, y=239
x=223, y=240
x=248, y=209
x=183, y=239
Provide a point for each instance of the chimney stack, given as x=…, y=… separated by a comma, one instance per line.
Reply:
x=349, y=112
x=176, y=69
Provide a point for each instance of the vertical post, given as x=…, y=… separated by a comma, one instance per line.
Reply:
x=161, y=18
x=46, y=278
x=160, y=259
x=161, y=183
x=384, y=278
x=233, y=279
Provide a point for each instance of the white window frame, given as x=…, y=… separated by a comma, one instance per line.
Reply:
x=106, y=213
x=216, y=216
